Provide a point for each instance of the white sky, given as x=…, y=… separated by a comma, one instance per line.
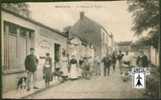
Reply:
x=113, y=15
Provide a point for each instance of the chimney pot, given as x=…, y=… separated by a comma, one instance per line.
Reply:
x=81, y=15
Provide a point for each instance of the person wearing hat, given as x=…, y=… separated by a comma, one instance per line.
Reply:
x=31, y=63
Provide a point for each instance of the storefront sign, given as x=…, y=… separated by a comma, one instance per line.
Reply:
x=44, y=44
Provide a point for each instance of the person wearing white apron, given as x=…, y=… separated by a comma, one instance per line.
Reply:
x=64, y=64
x=74, y=73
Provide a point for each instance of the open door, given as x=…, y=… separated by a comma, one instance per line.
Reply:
x=57, y=53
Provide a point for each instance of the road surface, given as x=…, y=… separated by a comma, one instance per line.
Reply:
x=96, y=87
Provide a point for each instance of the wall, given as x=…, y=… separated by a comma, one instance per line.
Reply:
x=154, y=56
x=45, y=44
x=11, y=18
x=12, y=76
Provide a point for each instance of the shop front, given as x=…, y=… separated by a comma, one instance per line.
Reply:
x=19, y=34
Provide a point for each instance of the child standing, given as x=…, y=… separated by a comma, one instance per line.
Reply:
x=47, y=69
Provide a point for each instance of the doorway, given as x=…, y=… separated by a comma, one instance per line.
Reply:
x=56, y=53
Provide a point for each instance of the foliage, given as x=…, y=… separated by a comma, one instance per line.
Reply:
x=146, y=17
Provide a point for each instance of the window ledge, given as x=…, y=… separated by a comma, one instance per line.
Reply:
x=13, y=71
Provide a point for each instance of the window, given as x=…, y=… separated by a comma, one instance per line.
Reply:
x=13, y=29
x=22, y=48
x=30, y=34
x=23, y=32
x=16, y=46
x=10, y=43
x=12, y=49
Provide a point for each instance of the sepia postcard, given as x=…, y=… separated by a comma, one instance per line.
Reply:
x=80, y=49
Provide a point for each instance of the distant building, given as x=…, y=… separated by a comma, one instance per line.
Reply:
x=19, y=34
x=124, y=46
x=94, y=34
x=80, y=49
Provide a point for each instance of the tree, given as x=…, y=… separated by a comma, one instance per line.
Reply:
x=146, y=17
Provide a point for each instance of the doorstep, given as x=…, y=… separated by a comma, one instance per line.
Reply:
x=20, y=94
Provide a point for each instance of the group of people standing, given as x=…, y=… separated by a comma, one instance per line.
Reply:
x=128, y=61
x=108, y=61
x=124, y=60
x=79, y=68
x=68, y=69
x=75, y=69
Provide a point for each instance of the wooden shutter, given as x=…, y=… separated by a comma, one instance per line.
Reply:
x=22, y=51
x=12, y=49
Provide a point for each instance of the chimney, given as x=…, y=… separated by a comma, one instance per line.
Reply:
x=81, y=15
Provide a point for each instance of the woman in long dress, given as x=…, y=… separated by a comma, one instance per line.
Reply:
x=64, y=65
x=74, y=74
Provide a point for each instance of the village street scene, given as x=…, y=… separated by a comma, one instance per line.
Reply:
x=80, y=50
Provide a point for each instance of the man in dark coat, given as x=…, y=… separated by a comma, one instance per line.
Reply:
x=119, y=57
x=86, y=68
x=107, y=63
x=31, y=63
x=142, y=60
x=114, y=60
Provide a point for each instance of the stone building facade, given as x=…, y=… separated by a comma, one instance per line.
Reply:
x=19, y=34
x=94, y=34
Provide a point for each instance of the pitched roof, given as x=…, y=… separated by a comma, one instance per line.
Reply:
x=34, y=22
x=88, y=30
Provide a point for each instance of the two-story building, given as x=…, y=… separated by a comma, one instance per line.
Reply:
x=95, y=35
